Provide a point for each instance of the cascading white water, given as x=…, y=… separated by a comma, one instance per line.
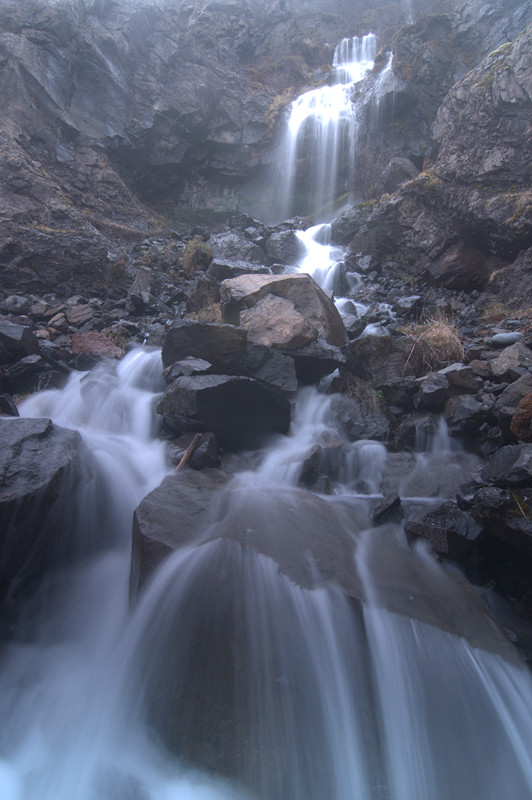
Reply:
x=317, y=159
x=398, y=689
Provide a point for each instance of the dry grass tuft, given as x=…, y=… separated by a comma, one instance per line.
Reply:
x=436, y=345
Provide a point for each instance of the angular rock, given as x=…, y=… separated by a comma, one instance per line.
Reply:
x=205, y=453
x=432, y=393
x=361, y=416
x=79, y=315
x=461, y=378
x=381, y=359
x=270, y=367
x=301, y=290
x=96, y=345
x=221, y=269
x=23, y=376
x=465, y=415
x=187, y=366
x=7, y=406
x=510, y=466
x=275, y=322
x=16, y=341
x=241, y=411
x=513, y=363
x=41, y=466
x=508, y=401
x=283, y=247
x=388, y=510
x=451, y=531
x=222, y=345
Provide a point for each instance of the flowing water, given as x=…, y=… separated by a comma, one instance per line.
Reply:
x=291, y=648
x=317, y=155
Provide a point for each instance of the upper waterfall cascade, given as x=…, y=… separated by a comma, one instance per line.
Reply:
x=318, y=152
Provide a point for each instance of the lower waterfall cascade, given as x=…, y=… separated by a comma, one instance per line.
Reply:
x=391, y=684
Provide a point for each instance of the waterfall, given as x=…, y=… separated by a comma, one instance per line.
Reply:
x=317, y=158
x=291, y=648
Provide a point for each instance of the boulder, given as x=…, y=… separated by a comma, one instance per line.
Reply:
x=16, y=341
x=271, y=367
x=508, y=401
x=275, y=322
x=510, y=466
x=513, y=363
x=381, y=359
x=521, y=422
x=241, y=411
x=311, y=302
x=451, y=531
x=223, y=346
x=465, y=415
x=41, y=468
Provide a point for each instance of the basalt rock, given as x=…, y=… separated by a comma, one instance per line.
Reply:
x=241, y=411
x=41, y=468
x=223, y=346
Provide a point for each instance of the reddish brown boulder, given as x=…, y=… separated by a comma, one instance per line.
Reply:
x=521, y=424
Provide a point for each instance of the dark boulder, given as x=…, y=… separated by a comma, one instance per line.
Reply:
x=223, y=346
x=16, y=341
x=41, y=468
x=241, y=411
x=510, y=466
x=451, y=531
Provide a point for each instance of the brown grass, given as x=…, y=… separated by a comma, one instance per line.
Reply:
x=436, y=345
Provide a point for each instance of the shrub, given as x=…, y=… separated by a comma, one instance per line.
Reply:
x=436, y=345
x=197, y=255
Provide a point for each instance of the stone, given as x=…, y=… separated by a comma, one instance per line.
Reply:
x=79, y=315
x=96, y=345
x=241, y=411
x=187, y=366
x=140, y=292
x=451, y=531
x=275, y=322
x=388, y=510
x=221, y=269
x=204, y=456
x=521, y=422
x=465, y=415
x=361, y=414
x=283, y=247
x=510, y=466
x=461, y=378
x=432, y=393
x=223, y=346
x=270, y=367
x=506, y=339
x=397, y=171
x=16, y=341
x=7, y=406
x=513, y=362
x=381, y=359
x=41, y=467
x=23, y=376
x=508, y=401
x=301, y=290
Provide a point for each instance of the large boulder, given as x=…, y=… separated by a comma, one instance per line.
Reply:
x=41, y=468
x=241, y=411
x=305, y=300
x=16, y=341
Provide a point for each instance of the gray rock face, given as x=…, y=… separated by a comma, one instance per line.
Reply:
x=41, y=466
x=510, y=466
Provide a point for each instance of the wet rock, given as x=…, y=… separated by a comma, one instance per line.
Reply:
x=451, y=531
x=388, y=510
x=510, y=466
x=417, y=431
x=315, y=361
x=142, y=289
x=23, y=376
x=283, y=247
x=7, y=406
x=465, y=415
x=41, y=466
x=270, y=367
x=93, y=346
x=432, y=393
x=232, y=246
x=222, y=345
x=241, y=411
x=16, y=341
x=361, y=413
x=204, y=456
x=381, y=359
x=521, y=422
x=79, y=315
x=397, y=171
x=221, y=269
x=187, y=366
